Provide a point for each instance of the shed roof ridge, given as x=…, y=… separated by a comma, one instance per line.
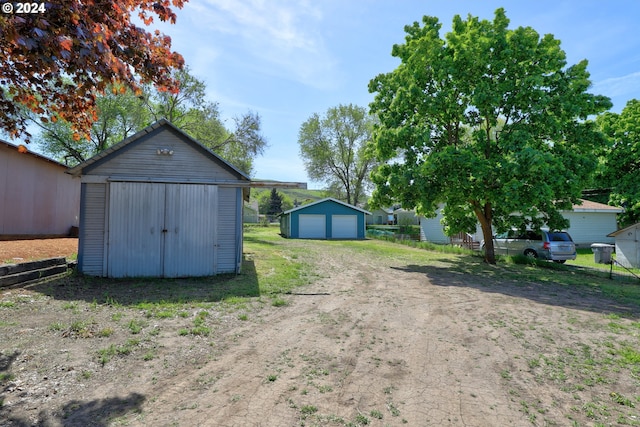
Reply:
x=325, y=200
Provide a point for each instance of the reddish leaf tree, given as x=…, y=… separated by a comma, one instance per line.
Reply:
x=55, y=61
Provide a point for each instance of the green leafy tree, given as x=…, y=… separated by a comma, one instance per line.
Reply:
x=190, y=110
x=489, y=121
x=621, y=160
x=334, y=150
x=120, y=114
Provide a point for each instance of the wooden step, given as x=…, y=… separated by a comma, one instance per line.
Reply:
x=12, y=274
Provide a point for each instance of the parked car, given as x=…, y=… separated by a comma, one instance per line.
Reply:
x=550, y=245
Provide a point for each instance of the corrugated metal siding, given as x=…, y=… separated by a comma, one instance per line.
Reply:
x=92, y=229
x=228, y=218
x=36, y=196
x=190, y=220
x=163, y=230
x=136, y=220
x=140, y=159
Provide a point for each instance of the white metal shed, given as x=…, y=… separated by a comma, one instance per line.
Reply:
x=160, y=204
x=628, y=245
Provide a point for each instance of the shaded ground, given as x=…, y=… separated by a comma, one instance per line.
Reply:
x=379, y=341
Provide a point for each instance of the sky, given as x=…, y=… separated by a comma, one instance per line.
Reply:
x=289, y=59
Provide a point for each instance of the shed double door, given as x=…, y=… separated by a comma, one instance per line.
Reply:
x=167, y=230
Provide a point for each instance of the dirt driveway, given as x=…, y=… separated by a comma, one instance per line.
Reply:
x=380, y=341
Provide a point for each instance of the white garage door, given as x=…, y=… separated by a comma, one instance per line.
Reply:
x=344, y=226
x=312, y=227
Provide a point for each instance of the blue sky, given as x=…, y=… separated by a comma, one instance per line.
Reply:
x=288, y=59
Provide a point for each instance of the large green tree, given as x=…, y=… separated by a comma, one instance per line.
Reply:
x=121, y=113
x=621, y=160
x=487, y=120
x=334, y=149
x=190, y=110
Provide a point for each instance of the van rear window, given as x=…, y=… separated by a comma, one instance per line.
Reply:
x=559, y=237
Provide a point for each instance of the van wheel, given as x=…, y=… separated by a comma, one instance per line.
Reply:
x=531, y=253
x=560, y=261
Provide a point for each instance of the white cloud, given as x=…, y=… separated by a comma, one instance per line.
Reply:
x=276, y=38
x=619, y=86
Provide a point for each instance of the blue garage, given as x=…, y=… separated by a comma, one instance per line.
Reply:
x=324, y=219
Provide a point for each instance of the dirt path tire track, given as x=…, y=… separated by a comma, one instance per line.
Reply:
x=383, y=340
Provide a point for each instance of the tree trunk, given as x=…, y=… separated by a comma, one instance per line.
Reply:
x=484, y=216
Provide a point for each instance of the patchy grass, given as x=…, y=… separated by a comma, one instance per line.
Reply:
x=518, y=268
x=164, y=323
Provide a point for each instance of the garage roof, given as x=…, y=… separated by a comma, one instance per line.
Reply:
x=325, y=200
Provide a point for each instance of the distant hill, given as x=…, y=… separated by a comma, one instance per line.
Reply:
x=294, y=193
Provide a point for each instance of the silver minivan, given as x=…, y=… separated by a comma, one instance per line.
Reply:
x=550, y=245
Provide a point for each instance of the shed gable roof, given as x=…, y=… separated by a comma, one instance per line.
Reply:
x=624, y=230
x=119, y=148
x=328, y=199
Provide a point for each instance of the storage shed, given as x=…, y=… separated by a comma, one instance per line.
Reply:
x=160, y=204
x=324, y=219
x=628, y=245
x=37, y=198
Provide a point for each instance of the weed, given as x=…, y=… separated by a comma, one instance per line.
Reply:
x=72, y=306
x=106, y=354
x=622, y=400
x=56, y=327
x=165, y=314
x=5, y=377
x=200, y=331
x=308, y=409
x=81, y=329
x=106, y=332
x=393, y=409
x=7, y=304
x=279, y=302
x=243, y=317
x=361, y=420
x=376, y=414
x=272, y=378
x=135, y=326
